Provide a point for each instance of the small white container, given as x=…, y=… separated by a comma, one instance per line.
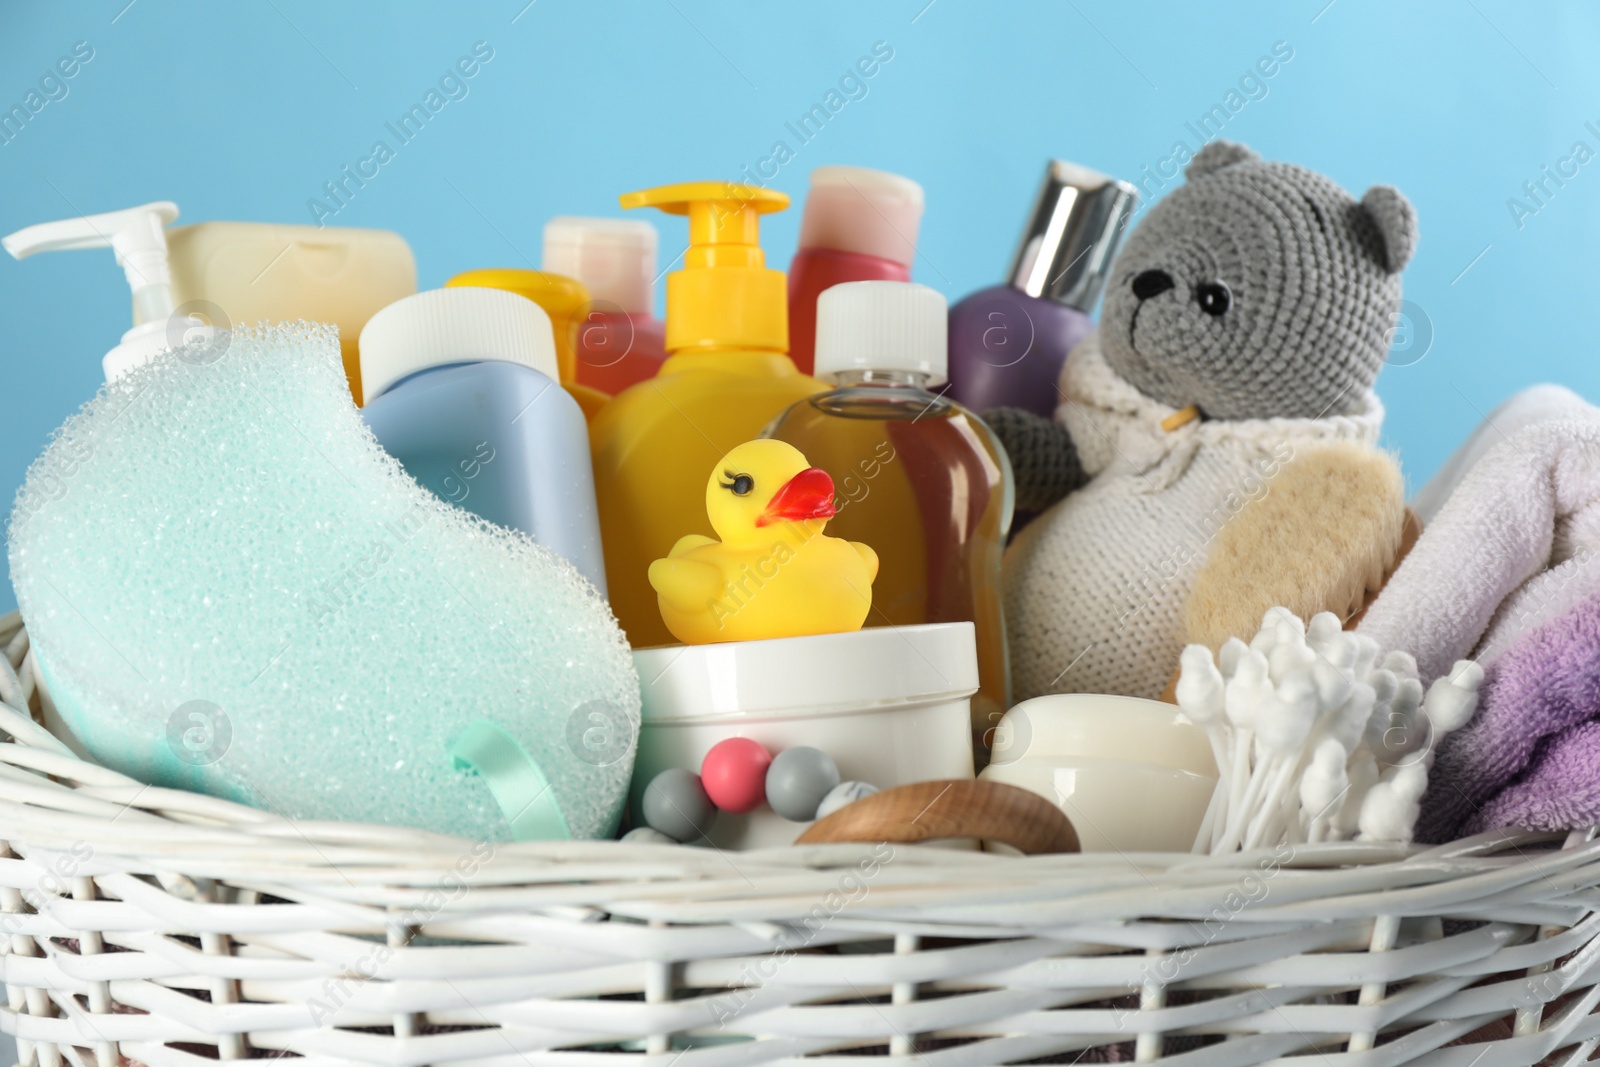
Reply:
x=889, y=704
x=1133, y=775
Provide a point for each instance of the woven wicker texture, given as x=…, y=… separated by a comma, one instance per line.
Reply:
x=166, y=928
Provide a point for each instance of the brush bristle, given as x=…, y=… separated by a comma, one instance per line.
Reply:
x=1322, y=538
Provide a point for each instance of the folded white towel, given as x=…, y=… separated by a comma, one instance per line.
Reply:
x=1514, y=538
x=1535, y=404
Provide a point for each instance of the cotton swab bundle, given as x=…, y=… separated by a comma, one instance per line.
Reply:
x=1323, y=787
x=1319, y=735
x=1201, y=693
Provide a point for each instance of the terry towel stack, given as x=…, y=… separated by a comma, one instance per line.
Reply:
x=1506, y=572
x=1512, y=546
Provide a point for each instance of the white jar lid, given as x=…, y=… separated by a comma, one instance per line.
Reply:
x=462, y=324
x=818, y=675
x=882, y=326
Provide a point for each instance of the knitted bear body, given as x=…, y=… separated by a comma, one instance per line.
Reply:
x=1246, y=318
x=1095, y=590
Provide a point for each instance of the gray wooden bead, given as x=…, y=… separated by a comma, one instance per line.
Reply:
x=675, y=803
x=798, y=780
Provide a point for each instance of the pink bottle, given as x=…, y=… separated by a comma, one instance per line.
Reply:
x=859, y=225
x=620, y=341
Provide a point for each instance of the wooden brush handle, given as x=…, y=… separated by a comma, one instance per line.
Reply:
x=956, y=808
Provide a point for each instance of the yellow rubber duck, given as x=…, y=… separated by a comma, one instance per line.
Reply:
x=774, y=573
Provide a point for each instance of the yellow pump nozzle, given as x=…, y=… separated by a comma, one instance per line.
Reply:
x=725, y=297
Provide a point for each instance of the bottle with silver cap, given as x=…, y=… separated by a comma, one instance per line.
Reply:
x=1008, y=342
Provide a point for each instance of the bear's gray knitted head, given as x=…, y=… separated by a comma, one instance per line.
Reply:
x=1258, y=290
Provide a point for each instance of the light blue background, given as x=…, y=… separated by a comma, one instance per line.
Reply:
x=244, y=110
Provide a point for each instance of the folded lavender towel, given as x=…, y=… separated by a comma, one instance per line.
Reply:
x=1560, y=791
x=1531, y=756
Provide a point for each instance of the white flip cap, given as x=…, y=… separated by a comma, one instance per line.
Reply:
x=882, y=326
x=464, y=324
x=869, y=212
x=615, y=259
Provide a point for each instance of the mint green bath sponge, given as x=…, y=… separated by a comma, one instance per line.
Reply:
x=230, y=587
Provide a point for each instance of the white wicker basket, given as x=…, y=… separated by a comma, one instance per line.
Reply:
x=160, y=927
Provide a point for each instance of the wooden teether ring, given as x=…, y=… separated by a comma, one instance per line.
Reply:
x=957, y=808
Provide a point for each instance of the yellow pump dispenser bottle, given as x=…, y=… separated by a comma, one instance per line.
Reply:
x=726, y=376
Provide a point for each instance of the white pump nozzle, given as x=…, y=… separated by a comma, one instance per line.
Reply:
x=137, y=236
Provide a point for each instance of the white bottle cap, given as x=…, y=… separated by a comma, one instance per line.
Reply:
x=882, y=326
x=614, y=258
x=869, y=212
x=458, y=325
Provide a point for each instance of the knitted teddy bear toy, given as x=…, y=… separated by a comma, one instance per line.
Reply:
x=1214, y=451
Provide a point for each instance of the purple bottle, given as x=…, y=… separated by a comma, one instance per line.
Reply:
x=1008, y=342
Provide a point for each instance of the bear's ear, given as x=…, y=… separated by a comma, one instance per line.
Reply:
x=1396, y=220
x=1216, y=155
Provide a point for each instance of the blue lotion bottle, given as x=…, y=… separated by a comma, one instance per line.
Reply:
x=461, y=387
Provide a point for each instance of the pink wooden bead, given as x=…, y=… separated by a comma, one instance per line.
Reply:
x=734, y=774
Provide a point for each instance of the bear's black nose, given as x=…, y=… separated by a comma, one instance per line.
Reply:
x=1151, y=283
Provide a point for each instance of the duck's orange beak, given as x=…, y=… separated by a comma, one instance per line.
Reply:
x=808, y=495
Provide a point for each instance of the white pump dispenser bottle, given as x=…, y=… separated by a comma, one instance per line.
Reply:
x=137, y=237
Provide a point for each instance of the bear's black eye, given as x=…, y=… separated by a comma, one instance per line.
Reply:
x=740, y=484
x=1214, y=298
